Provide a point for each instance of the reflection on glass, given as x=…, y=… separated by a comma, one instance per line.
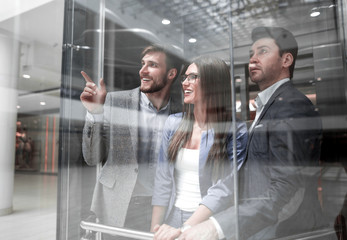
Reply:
x=201, y=28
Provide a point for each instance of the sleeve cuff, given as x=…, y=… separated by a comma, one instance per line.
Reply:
x=218, y=228
x=93, y=118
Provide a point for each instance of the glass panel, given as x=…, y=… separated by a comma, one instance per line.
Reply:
x=30, y=78
x=319, y=74
x=42, y=118
x=81, y=52
x=294, y=173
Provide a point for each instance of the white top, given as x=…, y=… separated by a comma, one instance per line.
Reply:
x=188, y=196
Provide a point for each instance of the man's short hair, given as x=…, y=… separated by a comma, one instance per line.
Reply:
x=172, y=60
x=284, y=39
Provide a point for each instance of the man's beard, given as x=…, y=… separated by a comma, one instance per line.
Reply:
x=156, y=87
x=259, y=78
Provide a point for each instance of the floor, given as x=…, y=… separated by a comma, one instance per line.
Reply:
x=35, y=206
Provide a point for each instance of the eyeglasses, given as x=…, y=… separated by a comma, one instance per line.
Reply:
x=191, y=77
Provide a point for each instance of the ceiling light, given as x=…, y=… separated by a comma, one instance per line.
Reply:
x=165, y=21
x=42, y=103
x=192, y=40
x=18, y=107
x=27, y=76
x=315, y=13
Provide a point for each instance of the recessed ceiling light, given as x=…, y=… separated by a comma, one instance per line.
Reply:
x=27, y=76
x=315, y=14
x=192, y=40
x=18, y=107
x=42, y=103
x=165, y=21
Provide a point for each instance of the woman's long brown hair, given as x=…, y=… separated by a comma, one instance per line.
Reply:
x=216, y=89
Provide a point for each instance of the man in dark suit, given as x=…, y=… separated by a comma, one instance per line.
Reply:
x=123, y=131
x=278, y=181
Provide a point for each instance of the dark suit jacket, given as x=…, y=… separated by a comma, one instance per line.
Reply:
x=115, y=142
x=278, y=181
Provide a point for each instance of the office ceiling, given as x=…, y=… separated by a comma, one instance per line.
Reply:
x=207, y=21
x=38, y=25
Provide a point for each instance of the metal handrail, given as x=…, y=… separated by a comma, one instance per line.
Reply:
x=124, y=232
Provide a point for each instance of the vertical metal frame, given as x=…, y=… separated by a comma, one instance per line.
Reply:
x=70, y=159
x=234, y=127
x=64, y=128
x=101, y=50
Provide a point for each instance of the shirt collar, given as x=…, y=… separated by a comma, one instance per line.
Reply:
x=266, y=94
x=146, y=102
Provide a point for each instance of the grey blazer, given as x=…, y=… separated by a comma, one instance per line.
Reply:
x=114, y=142
x=278, y=180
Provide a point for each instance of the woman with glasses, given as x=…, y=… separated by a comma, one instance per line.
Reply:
x=194, y=172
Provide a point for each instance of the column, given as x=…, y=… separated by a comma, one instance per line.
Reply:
x=8, y=116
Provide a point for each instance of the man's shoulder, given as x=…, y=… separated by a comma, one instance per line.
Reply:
x=291, y=103
x=123, y=96
x=288, y=93
x=125, y=93
x=123, y=99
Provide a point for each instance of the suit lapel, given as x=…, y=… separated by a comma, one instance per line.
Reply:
x=278, y=91
x=133, y=108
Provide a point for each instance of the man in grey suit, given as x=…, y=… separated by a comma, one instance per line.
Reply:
x=123, y=132
x=278, y=180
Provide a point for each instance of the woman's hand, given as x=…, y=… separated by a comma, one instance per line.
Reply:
x=166, y=232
